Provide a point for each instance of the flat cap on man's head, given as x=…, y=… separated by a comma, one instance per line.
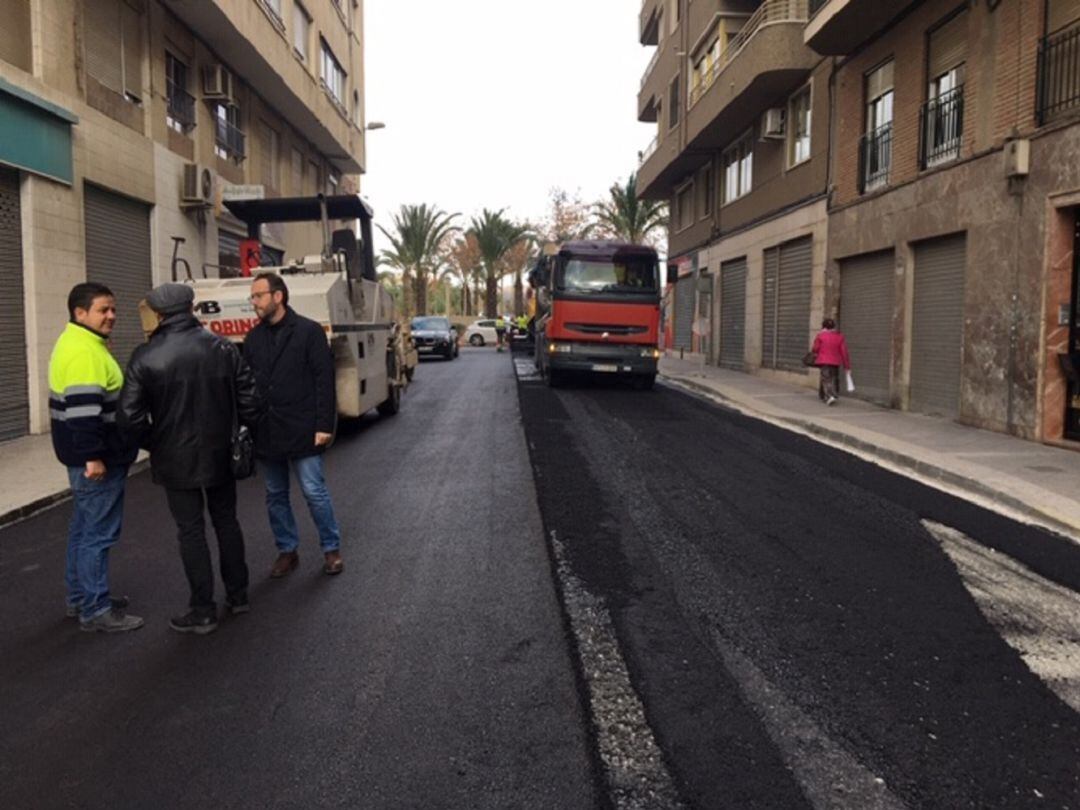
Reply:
x=171, y=298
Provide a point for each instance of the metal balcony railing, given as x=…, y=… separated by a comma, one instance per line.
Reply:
x=941, y=128
x=1059, y=74
x=180, y=105
x=816, y=6
x=771, y=12
x=650, y=150
x=229, y=138
x=875, y=158
x=648, y=70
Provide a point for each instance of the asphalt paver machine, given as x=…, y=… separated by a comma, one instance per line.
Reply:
x=337, y=289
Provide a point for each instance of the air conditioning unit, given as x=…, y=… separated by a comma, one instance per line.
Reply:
x=197, y=190
x=773, y=126
x=217, y=83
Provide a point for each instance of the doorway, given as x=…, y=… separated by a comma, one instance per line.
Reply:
x=1072, y=401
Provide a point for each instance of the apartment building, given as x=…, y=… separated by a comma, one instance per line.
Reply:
x=124, y=124
x=953, y=221
x=742, y=108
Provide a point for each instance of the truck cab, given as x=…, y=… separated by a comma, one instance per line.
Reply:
x=598, y=311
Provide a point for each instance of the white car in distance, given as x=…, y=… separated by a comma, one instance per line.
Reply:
x=481, y=332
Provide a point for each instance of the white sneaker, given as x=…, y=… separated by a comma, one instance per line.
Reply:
x=830, y=401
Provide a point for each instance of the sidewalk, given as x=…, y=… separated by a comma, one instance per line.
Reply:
x=34, y=478
x=1032, y=481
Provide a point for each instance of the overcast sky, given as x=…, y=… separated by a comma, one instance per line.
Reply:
x=490, y=103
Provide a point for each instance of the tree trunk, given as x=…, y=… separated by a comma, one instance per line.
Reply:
x=421, y=295
x=466, y=299
x=449, y=289
x=407, y=308
x=519, y=295
x=492, y=296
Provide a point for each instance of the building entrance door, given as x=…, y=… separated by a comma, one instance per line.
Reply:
x=1072, y=401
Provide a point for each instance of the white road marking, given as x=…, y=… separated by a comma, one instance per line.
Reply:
x=633, y=763
x=1037, y=617
x=526, y=369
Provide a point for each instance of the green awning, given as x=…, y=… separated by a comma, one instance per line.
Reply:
x=35, y=134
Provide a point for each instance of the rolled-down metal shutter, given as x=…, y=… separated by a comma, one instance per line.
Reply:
x=14, y=399
x=733, y=313
x=938, y=325
x=684, y=312
x=118, y=256
x=866, y=313
x=786, y=322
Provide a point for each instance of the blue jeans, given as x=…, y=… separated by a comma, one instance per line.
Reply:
x=95, y=527
x=309, y=472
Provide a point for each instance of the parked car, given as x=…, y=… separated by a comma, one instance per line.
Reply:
x=434, y=335
x=481, y=332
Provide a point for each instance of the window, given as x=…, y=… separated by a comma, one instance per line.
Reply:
x=875, y=147
x=704, y=192
x=228, y=136
x=301, y=32
x=358, y=110
x=333, y=182
x=332, y=75
x=268, y=155
x=799, y=127
x=314, y=179
x=738, y=161
x=673, y=104
x=684, y=207
x=1059, y=65
x=113, y=46
x=179, y=103
x=704, y=68
x=943, y=112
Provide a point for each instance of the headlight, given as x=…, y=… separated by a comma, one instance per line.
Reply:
x=651, y=353
x=559, y=348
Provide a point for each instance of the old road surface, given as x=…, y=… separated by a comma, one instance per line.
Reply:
x=762, y=621
x=572, y=598
x=433, y=673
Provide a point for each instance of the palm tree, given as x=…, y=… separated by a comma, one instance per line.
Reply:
x=626, y=217
x=495, y=235
x=419, y=233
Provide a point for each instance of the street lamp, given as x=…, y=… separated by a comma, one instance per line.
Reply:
x=375, y=125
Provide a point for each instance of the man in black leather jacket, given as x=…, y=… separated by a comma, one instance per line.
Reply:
x=181, y=392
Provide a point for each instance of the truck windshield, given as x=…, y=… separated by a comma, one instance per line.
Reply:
x=634, y=276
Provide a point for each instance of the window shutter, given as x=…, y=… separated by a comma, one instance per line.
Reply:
x=131, y=24
x=948, y=46
x=879, y=82
x=1061, y=13
x=102, y=43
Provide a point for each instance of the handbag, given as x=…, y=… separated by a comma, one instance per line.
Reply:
x=242, y=449
x=810, y=358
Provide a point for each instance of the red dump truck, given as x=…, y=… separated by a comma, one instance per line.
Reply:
x=598, y=311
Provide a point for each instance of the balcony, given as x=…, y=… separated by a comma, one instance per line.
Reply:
x=253, y=48
x=180, y=106
x=941, y=128
x=649, y=151
x=1059, y=74
x=838, y=27
x=875, y=158
x=662, y=68
x=765, y=60
x=649, y=22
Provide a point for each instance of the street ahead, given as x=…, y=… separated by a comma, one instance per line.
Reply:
x=584, y=597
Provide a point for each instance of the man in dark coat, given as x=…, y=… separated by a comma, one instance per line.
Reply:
x=294, y=368
x=183, y=393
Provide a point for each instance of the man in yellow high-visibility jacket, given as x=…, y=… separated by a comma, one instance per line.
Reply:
x=84, y=386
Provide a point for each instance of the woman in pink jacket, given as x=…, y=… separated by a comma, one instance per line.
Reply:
x=830, y=350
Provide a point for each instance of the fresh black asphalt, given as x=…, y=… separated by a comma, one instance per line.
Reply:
x=433, y=673
x=714, y=538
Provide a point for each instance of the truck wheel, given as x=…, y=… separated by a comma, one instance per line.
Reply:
x=553, y=378
x=644, y=382
x=392, y=403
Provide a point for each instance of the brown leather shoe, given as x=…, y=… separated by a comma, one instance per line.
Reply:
x=285, y=563
x=334, y=564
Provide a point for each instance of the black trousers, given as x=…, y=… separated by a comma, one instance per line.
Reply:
x=186, y=506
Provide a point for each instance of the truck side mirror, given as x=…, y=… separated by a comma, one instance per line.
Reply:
x=672, y=274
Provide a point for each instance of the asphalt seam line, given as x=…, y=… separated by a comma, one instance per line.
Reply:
x=634, y=768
